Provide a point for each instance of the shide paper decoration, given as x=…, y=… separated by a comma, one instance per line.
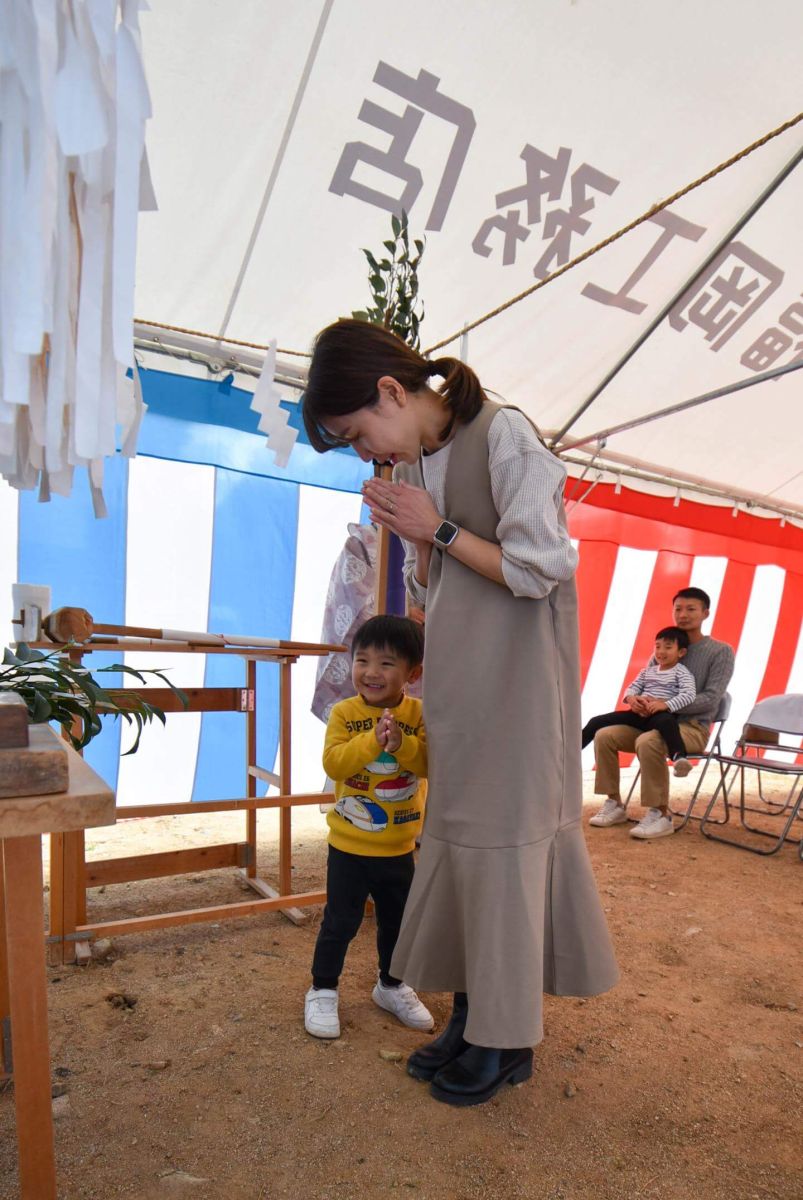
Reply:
x=73, y=176
x=273, y=420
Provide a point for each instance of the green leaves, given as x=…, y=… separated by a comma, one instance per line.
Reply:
x=394, y=285
x=55, y=689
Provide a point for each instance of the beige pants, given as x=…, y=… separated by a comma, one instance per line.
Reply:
x=650, y=750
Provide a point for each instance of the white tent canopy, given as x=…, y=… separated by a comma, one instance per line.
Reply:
x=283, y=134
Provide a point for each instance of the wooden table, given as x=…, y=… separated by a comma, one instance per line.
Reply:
x=23, y=986
x=71, y=932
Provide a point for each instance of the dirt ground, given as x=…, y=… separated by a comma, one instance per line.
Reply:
x=186, y=1071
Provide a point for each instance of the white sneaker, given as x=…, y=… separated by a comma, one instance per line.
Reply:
x=681, y=767
x=404, y=1004
x=611, y=813
x=653, y=825
x=320, y=1013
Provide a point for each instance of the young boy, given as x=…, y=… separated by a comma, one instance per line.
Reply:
x=376, y=753
x=664, y=678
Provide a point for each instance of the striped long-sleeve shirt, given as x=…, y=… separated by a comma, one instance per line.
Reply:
x=676, y=685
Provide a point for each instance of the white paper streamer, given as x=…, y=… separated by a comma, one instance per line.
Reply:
x=273, y=420
x=73, y=176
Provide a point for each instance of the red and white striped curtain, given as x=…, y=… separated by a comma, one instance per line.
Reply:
x=632, y=565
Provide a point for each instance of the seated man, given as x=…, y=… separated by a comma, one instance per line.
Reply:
x=711, y=664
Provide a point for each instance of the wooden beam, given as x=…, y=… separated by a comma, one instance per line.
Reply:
x=167, y=862
x=195, y=808
x=243, y=908
x=266, y=776
x=296, y=915
x=201, y=699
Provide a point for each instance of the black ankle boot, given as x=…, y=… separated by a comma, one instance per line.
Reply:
x=478, y=1073
x=424, y=1062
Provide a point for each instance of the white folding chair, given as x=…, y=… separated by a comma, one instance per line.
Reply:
x=782, y=717
x=712, y=750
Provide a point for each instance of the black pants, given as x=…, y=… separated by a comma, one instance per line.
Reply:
x=350, y=880
x=665, y=723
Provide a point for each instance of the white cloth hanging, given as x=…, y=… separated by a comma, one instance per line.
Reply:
x=73, y=176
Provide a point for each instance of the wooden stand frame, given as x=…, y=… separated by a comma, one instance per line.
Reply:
x=24, y=1050
x=70, y=874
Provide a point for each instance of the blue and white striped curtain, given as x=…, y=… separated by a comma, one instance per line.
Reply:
x=203, y=533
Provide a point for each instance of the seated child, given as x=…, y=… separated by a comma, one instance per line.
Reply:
x=655, y=697
x=376, y=754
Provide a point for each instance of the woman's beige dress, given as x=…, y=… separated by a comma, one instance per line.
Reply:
x=503, y=905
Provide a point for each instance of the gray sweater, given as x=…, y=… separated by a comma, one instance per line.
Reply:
x=711, y=664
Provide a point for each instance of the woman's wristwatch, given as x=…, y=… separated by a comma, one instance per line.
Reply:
x=445, y=534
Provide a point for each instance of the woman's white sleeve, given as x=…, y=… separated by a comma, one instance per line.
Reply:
x=527, y=486
x=415, y=590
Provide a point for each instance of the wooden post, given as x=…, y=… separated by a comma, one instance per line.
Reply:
x=382, y=556
x=22, y=868
x=251, y=761
x=67, y=885
x=79, y=845
x=56, y=922
x=285, y=784
x=5, y=1003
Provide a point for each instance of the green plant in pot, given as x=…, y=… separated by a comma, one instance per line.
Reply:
x=56, y=689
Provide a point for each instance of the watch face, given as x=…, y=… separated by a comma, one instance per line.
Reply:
x=446, y=533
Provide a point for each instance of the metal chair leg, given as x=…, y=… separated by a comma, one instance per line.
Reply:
x=743, y=808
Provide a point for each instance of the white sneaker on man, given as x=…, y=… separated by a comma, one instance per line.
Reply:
x=320, y=1013
x=611, y=813
x=654, y=824
x=404, y=1004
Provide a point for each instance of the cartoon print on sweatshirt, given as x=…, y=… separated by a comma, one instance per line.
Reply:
x=386, y=764
x=379, y=794
x=363, y=814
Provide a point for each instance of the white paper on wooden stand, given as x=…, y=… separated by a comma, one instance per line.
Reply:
x=73, y=107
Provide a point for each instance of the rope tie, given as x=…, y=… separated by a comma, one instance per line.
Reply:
x=614, y=237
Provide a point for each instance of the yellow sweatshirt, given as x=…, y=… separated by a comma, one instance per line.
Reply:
x=379, y=796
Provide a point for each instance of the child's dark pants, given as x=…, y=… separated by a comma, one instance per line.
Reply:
x=665, y=723
x=350, y=880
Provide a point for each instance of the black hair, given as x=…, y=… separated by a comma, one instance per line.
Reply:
x=672, y=634
x=348, y=360
x=692, y=593
x=400, y=635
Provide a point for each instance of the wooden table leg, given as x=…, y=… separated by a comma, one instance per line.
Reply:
x=56, y=924
x=251, y=761
x=285, y=780
x=22, y=868
x=74, y=890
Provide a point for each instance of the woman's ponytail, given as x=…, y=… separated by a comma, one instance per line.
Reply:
x=461, y=390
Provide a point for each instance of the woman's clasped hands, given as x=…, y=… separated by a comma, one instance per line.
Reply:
x=402, y=508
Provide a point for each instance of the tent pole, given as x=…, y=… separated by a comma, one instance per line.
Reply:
x=277, y=163
x=624, y=466
x=726, y=390
x=667, y=308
